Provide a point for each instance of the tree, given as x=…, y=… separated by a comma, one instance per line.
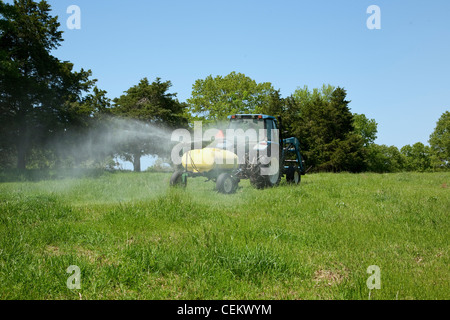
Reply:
x=440, y=141
x=305, y=103
x=149, y=108
x=85, y=137
x=417, y=157
x=98, y=103
x=343, y=118
x=345, y=155
x=383, y=159
x=365, y=128
x=322, y=121
x=37, y=91
x=274, y=106
x=215, y=98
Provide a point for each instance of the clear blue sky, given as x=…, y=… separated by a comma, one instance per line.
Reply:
x=399, y=75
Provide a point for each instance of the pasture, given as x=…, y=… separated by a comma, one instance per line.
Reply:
x=133, y=237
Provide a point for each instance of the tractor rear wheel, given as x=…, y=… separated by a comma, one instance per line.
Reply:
x=226, y=183
x=177, y=179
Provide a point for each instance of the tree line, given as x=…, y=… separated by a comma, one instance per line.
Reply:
x=43, y=99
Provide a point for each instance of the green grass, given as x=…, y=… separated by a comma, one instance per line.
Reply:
x=134, y=238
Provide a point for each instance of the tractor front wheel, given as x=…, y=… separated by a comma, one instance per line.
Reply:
x=226, y=183
x=259, y=181
x=293, y=175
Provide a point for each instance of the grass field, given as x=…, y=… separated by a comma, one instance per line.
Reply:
x=134, y=238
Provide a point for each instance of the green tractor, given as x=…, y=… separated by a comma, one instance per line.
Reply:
x=228, y=160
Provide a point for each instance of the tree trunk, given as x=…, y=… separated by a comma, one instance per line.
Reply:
x=137, y=162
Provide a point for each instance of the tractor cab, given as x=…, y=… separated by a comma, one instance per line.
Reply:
x=256, y=122
x=266, y=131
x=256, y=131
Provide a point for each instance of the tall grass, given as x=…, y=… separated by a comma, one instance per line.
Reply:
x=134, y=238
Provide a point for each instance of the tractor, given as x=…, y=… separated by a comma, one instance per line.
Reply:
x=227, y=160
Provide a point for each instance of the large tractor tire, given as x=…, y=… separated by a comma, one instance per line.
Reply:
x=226, y=184
x=177, y=179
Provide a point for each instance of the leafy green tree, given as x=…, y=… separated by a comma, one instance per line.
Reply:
x=417, y=157
x=345, y=155
x=37, y=91
x=149, y=107
x=440, y=141
x=340, y=111
x=83, y=138
x=384, y=159
x=322, y=121
x=304, y=117
x=215, y=98
x=302, y=104
x=275, y=105
x=365, y=128
x=98, y=103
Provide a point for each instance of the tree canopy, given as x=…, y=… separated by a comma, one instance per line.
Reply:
x=216, y=98
x=38, y=92
x=322, y=121
x=365, y=128
x=151, y=108
x=417, y=157
x=440, y=141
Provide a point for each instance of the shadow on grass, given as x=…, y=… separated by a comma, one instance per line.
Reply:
x=15, y=175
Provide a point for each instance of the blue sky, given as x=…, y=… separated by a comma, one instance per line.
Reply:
x=399, y=75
